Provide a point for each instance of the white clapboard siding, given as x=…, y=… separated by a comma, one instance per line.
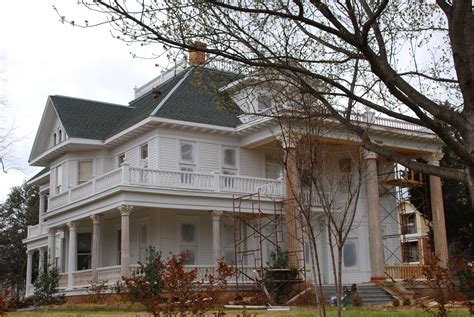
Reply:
x=252, y=163
x=209, y=157
x=153, y=153
x=73, y=173
x=168, y=154
x=132, y=156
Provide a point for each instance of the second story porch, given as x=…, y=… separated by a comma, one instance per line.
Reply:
x=145, y=178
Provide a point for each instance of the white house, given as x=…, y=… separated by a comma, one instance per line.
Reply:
x=164, y=171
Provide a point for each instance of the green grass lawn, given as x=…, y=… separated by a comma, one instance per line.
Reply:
x=294, y=312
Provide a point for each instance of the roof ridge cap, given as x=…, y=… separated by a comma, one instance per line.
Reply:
x=92, y=100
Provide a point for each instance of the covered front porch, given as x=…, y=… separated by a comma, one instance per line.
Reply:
x=107, y=246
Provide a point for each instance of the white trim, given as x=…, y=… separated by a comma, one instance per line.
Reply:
x=37, y=179
x=170, y=93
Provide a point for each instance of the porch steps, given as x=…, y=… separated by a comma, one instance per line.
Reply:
x=370, y=293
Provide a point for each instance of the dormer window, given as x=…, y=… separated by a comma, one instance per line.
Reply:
x=264, y=102
x=60, y=136
x=55, y=141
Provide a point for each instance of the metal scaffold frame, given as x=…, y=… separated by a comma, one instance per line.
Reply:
x=255, y=231
x=405, y=186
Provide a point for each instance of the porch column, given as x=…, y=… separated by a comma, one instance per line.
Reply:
x=292, y=185
x=96, y=233
x=29, y=268
x=125, y=211
x=216, y=235
x=72, y=254
x=437, y=212
x=41, y=261
x=51, y=248
x=42, y=205
x=374, y=220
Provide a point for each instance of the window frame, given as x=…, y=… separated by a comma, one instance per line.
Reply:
x=357, y=254
x=226, y=168
x=189, y=245
x=262, y=99
x=58, y=186
x=144, y=160
x=79, y=171
x=121, y=161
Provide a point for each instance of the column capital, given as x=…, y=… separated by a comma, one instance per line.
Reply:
x=29, y=252
x=434, y=158
x=51, y=232
x=216, y=214
x=125, y=210
x=369, y=155
x=96, y=219
x=71, y=225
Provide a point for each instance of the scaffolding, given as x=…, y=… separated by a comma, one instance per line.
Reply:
x=405, y=186
x=259, y=232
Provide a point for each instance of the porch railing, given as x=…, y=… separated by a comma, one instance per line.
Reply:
x=404, y=272
x=133, y=176
x=112, y=274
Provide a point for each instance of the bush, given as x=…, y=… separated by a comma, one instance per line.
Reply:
x=279, y=278
x=5, y=301
x=96, y=290
x=46, y=288
x=167, y=287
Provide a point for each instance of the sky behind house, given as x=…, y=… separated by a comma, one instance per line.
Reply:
x=39, y=56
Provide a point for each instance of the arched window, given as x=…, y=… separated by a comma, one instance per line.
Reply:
x=54, y=139
x=60, y=134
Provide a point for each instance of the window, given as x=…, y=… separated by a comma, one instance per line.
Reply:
x=273, y=169
x=84, y=242
x=189, y=242
x=349, y=253
x=55, y=141
x=143, y=242
x=410, y=251
x=187, y=152
x=264, y=102
x=59, y=179
x=60, y=136
x=229, y=161
x=228, y=241
x=119, y=247
x=121, y=159
x=144, y=155
x=409, y=223
x=187, y=161
x=84, y=171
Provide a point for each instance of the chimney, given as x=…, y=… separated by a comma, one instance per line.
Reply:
x=197, y=57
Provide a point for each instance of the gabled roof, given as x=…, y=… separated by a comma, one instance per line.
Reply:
x=192, y=95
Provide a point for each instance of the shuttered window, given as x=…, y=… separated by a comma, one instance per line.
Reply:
x=84, y=171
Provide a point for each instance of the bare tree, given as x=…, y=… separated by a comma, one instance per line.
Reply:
x=414, y=59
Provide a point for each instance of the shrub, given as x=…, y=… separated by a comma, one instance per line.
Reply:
x=168, y=287
x=279, y=278
x=5, y=301
x=46, y=288
x=96, y=290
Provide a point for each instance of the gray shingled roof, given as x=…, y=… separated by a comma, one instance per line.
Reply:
x=195, y=99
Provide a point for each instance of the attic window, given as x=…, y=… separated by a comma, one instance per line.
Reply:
x=60, y=136
x=54, y=139
x=264, y=102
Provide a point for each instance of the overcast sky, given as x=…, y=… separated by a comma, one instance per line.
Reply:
x=39, y=56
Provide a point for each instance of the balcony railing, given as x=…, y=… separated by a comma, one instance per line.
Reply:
x=404, y=272
x=154, y=178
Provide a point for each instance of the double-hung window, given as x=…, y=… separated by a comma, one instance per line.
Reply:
x=188, y=244
x=59, y=179
x=121, y=159
x=144, y=155
x=84, y=171
x=229, y=165
x=187, y=161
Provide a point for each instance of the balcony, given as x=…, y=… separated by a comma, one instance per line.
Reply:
x=37, y=230
x=163, y=179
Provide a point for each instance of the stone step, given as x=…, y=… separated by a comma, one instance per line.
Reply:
x=370, y=293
